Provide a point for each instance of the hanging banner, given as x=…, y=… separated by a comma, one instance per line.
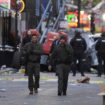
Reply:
x=5, y=4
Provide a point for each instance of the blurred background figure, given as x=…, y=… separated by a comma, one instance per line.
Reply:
x=100, y=48
x=79, y=47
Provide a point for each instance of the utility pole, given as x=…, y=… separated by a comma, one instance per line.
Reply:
x=79, y=9
x=92, y=23
x=16, y=23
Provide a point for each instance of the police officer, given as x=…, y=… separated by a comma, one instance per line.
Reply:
x=100, y=48
x=33, y=52
x=62, y=55
x=79, y=46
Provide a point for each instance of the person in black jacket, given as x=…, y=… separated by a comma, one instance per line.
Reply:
x=62, y=55
x=33, y=51
x=100, y=48
x=79, y=46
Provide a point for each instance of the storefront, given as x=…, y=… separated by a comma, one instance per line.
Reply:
x=7, y=39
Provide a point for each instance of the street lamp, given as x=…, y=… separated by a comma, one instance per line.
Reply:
x=16, y=23
x=92, y=23
x=79, y=9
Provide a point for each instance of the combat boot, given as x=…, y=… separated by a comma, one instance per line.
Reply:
x=31, y=93
x=36, y=90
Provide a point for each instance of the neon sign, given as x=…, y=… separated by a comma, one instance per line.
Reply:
x=21, y=5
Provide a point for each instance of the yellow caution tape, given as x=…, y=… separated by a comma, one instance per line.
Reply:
x=97, y=82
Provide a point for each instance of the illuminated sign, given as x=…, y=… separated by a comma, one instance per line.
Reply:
x=21, y=5
x=5, y=4
x=72, y=16
x=73, y=20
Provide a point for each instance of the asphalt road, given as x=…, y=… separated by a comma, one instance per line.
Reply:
x=14, y=91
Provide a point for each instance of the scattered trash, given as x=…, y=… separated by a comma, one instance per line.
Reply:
x=97, y=82
x=22, y=70
x=2, y=90
x=94, y=71
x=6, y=71
x=83, y=80
x=3, y=67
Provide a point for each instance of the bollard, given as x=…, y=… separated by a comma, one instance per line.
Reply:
x=103, y=94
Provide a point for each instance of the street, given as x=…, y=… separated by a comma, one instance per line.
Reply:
x=14, y=91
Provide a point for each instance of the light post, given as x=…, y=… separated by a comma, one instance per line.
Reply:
x=79, y=9
x=92, y=23
x=16, y=23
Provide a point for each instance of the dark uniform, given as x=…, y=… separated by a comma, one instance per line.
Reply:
x=54, y=45
x=62, y=55
x=100, y=47
x=79, y=46
x=33, y=52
